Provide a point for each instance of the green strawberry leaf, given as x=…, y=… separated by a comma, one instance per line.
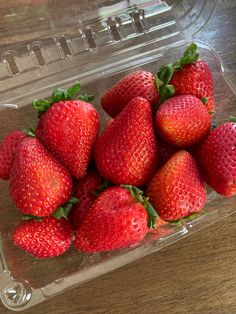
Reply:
x=232, y=119
x=74, y=90
x=165, y=74
x=86, y=97
x=102, y=187
x=41, y=105
x=30, y=132
x=59, y=95
x=152, y=216
x=188, y=218
x=166, y=92
x=29, y=217
x=158, y=83
x=190, y=55
x=64, y=210
x=59, y=213
x=214, y=124
x=138, y=195
x=163, y=77
x=204, y=100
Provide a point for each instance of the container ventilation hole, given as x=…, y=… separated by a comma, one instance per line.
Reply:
x=63, y=42
x=9, y=59
x=139, y=21
x=114, y=27
x=90, y=38
x=37, y=53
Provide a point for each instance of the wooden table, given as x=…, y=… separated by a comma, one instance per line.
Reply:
x=194, y=275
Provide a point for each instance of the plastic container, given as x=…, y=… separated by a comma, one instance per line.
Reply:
x=95, y=43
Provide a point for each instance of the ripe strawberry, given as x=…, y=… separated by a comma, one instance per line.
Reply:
x=46, y=238
x=68, y=129
x=7, y=152
x=190, y=76
x=177, y=190
x=195, y=79
x=38, y=182
x=116, y=220
x=126, y=153
x=84, y=191
x=139, y=83
x=217, y=159
x=182, y=120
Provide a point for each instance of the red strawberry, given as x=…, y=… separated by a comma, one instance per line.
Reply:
x=126, y=153
x=8, y=151
x=38, y=182
x=217, y=159
x=177, y=190
x=195, y=79
x=182, y=120
x=115, y=220
x=84, y=191
x=68, y=129
x=190, y=76
x=46, y=238
x=139, y=83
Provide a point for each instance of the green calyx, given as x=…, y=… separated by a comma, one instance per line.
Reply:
x=30, y=132
x=106, y=184
x=59, y=94
x=138, y=195
x=29, y=217
x=186, y=219
x=216, y=123
x=163, y=77
x=232, y=119
x=61, y=211
x=204, y=100
x=64, y=210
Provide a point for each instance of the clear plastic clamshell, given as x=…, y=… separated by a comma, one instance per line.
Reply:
x=96, y=43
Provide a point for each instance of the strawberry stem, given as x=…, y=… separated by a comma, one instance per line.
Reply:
x=138, y=195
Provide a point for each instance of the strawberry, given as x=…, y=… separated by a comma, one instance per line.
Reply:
x=177, y=190
x=190, y=76
x=126, y=153
x=68, y=129
x=38, y=182
x=139, y=83
x=216, y=157
x=117, y=219
x=195, y=79
x=8, y=151
x=45, y=238
x=182, y=120
x=84, y=191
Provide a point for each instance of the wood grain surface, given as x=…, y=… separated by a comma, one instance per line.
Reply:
x=196, y=275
